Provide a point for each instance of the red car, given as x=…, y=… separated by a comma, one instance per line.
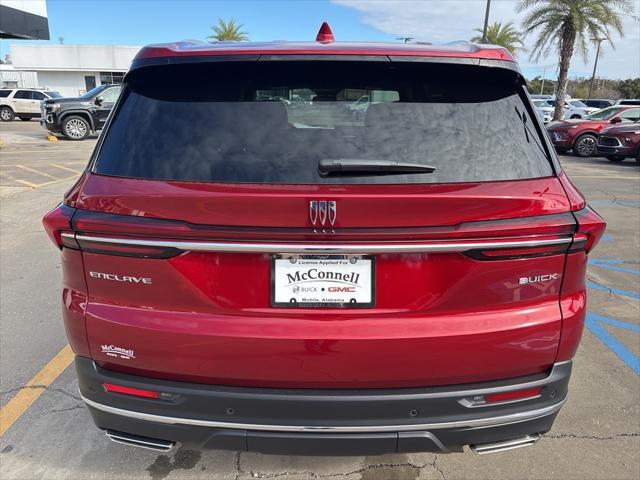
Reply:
x=581, y=135
x=250, y=273
x=620, y=142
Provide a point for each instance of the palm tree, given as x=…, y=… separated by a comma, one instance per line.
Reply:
x=504, y=35
x=568, y=26
x=227, y=32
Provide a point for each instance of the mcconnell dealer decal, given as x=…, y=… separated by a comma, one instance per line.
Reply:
x=120, y=352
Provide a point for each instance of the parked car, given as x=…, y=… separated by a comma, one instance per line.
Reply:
x=413, y=281
x=544, y=110
x=76, y=118
x=598, y=103
x=574, y=108
x=542, y=97
x=628, y=101
x=581, y=136
x=620, y=142
x=23, y=103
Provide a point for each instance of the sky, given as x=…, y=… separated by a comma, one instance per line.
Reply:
x=139, y=22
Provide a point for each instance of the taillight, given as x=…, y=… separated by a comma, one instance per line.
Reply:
x=522, y=252
x=591, y=227
x=57, y=222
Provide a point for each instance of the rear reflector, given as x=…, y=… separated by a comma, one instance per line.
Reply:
x=136, y=392
x=513, y=395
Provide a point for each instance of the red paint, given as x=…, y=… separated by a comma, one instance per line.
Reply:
x=439, y=319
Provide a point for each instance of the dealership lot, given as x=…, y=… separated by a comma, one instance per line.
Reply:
x=596, y=435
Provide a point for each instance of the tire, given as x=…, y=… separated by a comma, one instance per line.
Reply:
x=6, y=114
x=585, y=145
x=615, y=158
x=575, y=115
x=25, y=119
x=75, y=128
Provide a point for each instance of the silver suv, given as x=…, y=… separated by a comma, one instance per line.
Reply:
x=23, y=103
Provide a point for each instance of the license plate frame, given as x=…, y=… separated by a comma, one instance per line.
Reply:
x=323, y=305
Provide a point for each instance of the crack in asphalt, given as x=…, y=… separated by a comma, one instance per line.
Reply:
x=308, y=473
x=75, y=407
x=590, y=437
x=42, y=387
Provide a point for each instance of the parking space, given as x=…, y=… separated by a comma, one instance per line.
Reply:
x=596, y=435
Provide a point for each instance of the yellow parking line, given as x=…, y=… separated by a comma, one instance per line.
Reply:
x=36, y=171
x=65, y=168
x=24, y=182
x=28, y=394
x=58, y=180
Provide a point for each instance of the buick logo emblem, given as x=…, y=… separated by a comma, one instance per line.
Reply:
x=322, y=213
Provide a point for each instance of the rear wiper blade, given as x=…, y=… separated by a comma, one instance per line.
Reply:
x=366, y=166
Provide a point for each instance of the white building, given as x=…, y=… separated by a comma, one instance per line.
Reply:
x=72, y=69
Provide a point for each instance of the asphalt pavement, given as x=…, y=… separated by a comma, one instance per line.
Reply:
x=596, y=435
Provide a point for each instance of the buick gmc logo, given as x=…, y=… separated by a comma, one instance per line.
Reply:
x=322, y=212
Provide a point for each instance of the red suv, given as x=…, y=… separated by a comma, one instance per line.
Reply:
x=581, y=136
x=249, y=266
x=620, y=142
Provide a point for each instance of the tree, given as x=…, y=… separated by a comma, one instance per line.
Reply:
x=568, y=26
x=504, y=35
x=629, y=88
x=227, y=32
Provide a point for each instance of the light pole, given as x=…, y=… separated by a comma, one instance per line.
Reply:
x=595, y=64
x=486, y=22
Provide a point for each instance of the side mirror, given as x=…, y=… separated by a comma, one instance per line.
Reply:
x=615, y=120
x=99, y=101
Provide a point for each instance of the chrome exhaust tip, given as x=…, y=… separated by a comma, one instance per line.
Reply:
x=495, y=447
x=141, y=442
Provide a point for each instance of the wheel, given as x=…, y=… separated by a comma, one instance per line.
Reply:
x=615, y=158
x=25, y=119
x=6, y=114
x=585, y=145
x=75, y=128
x=562, y=150
x=575, y=115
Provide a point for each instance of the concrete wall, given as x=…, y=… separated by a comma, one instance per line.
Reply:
x=68, y=84
x=100, y=58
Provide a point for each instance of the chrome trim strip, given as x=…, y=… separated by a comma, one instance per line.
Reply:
x=149, y=445
x=310, y=248
x=478, y=422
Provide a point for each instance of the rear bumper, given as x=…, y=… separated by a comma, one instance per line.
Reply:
x=321, y=422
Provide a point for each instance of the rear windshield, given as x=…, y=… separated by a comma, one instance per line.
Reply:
x=276, y=122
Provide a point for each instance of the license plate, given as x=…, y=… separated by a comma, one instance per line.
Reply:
x=330, y=281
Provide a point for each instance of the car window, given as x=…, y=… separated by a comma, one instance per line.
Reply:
x=91, y=93
x=110, y=95
x=4, y=93
x=23, y=95
x=38, y=95
x=605, y=114
x=237, y=123
x=577, y=103
x=631, y=115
